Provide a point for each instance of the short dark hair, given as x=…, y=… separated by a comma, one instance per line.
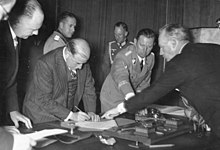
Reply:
x=23, y=8
x=146, y=32
x=121, y=24
x=64, y=15
x=177, y=31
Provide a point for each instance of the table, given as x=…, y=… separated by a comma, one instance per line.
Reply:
x=207, y=141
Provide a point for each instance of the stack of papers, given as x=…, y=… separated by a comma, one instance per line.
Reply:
x=96, y=126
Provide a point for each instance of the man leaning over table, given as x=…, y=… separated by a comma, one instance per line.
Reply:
x=193, y=68
x=62, y=80
x=7, y=140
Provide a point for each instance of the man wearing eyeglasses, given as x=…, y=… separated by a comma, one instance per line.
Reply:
x=130, y=72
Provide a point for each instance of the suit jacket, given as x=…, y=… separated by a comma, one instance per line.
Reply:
x=46, y=98
x=54, y=41
x=9, y=67
x=195, y=72
x=125, y=77
x=6, y=140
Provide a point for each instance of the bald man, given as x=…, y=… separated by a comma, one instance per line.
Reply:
x=61, y=81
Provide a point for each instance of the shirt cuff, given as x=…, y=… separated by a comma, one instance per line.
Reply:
x=121, y=108
x=69, y=116
x=129, y=95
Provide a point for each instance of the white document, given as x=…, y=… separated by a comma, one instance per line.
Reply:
x=96, y=126
x=45, y=133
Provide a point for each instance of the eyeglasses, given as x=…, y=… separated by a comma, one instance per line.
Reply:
x=5, y=16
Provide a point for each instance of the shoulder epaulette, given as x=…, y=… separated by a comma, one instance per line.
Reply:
x=56, y=38
x=128, y=53
x=111, y=42
x=131, y=42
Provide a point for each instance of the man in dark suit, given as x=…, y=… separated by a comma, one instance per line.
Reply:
x=192, y=68
x=25, y=20
x=7, y=140
x=61, y=81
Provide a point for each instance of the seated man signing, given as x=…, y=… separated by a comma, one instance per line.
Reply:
x=62, y=79
x=130, y=72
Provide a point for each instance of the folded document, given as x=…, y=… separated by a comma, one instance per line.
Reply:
x=96, y=126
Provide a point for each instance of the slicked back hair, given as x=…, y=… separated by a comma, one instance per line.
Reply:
x=121, y=24
x=64, y=15
x=23, y=8
x=147, y=33
x=176, y=31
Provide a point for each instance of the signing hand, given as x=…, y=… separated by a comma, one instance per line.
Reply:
x=79, y=116
x=93, y=116
x=110, y=114
x=17, y=116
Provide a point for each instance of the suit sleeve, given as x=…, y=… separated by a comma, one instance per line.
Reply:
x=172, y=78
x=120, y=74
x=89, y=95
x=6, y=140
x=43, y=93
x=12, y=98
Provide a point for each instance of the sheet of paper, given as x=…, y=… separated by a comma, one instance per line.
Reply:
x=96, y=126
x=45, y=133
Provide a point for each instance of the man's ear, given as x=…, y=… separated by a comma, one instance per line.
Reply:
x=61, y=25
x=135, y=40
x=173, y=43
x=126, y=33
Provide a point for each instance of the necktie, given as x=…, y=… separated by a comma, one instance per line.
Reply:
x=142, y=64
x=73, y=74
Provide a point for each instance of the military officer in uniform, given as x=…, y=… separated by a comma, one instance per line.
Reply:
x=113, y=47
x=130, y=72
x=66, y=28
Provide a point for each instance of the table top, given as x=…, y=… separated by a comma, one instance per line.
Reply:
x=195, y=141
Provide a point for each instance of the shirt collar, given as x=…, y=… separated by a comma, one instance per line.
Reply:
x=14, y=37
x=182, y=47
x=122, y=44
x=12, y=32
x=140, y=59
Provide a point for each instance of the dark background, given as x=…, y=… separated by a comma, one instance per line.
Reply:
x=96, y=19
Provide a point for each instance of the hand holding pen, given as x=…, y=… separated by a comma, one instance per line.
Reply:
x=79, y=116
x=91, y=115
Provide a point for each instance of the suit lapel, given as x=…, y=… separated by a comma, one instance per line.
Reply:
x=13, y=56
